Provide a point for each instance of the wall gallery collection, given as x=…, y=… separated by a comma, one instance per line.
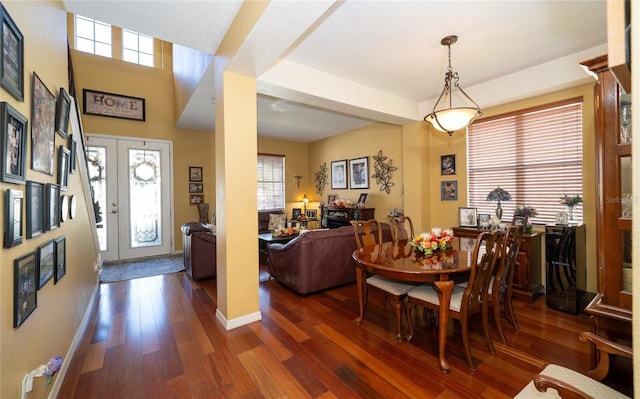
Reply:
x=42, y=200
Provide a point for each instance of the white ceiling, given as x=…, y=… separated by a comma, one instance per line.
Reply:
x=325, y=67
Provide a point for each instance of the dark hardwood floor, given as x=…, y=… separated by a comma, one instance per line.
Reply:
x=157, y=337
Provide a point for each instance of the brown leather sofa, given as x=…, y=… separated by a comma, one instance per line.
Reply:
x=199, y=250
x=317, y=259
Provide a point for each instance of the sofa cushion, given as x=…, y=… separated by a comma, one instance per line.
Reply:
x=263, y=219
x=277, y=219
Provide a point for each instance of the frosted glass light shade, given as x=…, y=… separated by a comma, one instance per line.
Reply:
x=452, y=119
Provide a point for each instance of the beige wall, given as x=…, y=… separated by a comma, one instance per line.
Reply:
x=50, y=329
x=364, y=142
x=155, y=85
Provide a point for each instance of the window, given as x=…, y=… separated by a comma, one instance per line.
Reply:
x=535, y=154
x=270, y=182
x=137, y=48
x=93, y=36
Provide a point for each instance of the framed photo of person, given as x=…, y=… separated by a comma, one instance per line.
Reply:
x=35, y=209
x=13, y=218
x=330, y=199
x=339, y=174
x=195, y=173
x=13, y=145
x=359, y=173
x=46, y=262
x=449, y=190
x=61, y=259
x=25, y=287
x=448, y=164
x=468, y=217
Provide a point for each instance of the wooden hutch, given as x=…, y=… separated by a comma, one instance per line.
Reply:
x=611, y=308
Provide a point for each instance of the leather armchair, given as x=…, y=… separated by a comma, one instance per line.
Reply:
x=199, y=250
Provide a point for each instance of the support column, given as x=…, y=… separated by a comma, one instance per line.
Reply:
x=236, y=198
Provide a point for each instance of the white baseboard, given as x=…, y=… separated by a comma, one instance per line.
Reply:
x=238, y=322
x=57, y=384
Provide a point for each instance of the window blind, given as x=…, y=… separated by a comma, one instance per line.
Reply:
x=270, y=182
x=535, y=154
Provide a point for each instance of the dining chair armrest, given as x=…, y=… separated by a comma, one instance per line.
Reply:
x=566, y=391
x=605, y=347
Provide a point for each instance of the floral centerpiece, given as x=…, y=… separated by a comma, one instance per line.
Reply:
x=435, y=261
x=570, y=202
x=527, y=212
x=285, y=231
x=343, y=203
x=430, y=243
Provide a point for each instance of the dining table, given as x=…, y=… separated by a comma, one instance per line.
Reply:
x=399, y=260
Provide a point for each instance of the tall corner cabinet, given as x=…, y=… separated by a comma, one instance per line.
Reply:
x=610, y=310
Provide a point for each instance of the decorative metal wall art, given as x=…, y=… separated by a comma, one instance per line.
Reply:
x=383, y=171
x=321, y=179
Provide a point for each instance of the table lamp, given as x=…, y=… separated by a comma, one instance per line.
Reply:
x=498, y=194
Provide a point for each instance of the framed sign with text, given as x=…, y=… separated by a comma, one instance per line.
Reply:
x=112, y=105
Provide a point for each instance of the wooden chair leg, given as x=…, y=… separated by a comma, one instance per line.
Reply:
x=485, y=325
x=465, y=342
x=495, y=302
x=384, y=302
x=409, y=323
x=399, y=307
x=508, y=301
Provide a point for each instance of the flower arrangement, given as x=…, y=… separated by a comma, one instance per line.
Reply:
x=570, y=201
x=526, y=211
x=285, y=231
x=343, y=203
x=394, y=213
x=430, y=243
x=435, y=261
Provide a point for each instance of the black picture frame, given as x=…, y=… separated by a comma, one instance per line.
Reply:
x=52, y=207
x=448, y=164
x=11, y=56
x=449, y=190
x=468, y=217
x=331, y=198
x=43, y=120
x=46, y=262
x=73, y=149
x=61, y=259
x=363, y=198
x=296, y=213
x=63, y=167
x=196, y=199
x=14, y=202
x=339, y=175
x=519, y=221
x=359, y=173
x=195, y=173
x=312, y=214
x=112, y=105
x=25, y=287
x=13, y=146
x=35, y=209
x=63, y=109
x=196, y=188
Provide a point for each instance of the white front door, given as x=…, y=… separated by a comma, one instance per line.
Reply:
x=131, y=181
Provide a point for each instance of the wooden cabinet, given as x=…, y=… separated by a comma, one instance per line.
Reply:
x=611, y=306
x=333, y=217
x=528, y=268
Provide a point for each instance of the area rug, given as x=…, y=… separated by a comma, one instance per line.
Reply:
x=139, y=268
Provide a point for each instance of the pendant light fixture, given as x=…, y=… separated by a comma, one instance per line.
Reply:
x=445, y=117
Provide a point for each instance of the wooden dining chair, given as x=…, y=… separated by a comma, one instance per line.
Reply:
x=466, y=301
x=369, y=233
x=399, y=228
x=501, y=282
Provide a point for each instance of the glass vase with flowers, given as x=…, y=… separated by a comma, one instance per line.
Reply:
x=570, y=202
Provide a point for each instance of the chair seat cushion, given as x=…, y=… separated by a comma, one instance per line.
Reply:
x=427, y=293
x=580, y=381
x=391, y=286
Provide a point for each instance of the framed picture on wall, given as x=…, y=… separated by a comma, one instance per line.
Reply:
x=25, y=287
x=195, y=173
x=196, y=199
x=339, y=174
x=52, y=207
x=12, y=56
x=448, y=164
x=35, y=209
x=359, y=172
x=196, y=188
x=13, y=218
x=62, y=113
x=43, y=119
x=63, y=167
x=13, y=145
x=46, y=262
x=449, y=190
x=61, y=259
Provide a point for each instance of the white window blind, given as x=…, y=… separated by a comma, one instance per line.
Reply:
x=270, y=182
x=535, y=154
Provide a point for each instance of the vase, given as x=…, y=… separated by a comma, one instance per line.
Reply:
x=570, y=213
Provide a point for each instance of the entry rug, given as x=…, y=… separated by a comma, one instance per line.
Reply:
x=139, y=268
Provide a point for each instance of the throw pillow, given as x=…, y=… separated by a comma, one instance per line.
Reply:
x=277, y=219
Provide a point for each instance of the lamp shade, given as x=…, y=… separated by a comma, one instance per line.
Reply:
x=499, y=194
x=452, y=119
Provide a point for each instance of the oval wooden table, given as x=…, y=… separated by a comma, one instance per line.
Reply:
x=398, y=261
